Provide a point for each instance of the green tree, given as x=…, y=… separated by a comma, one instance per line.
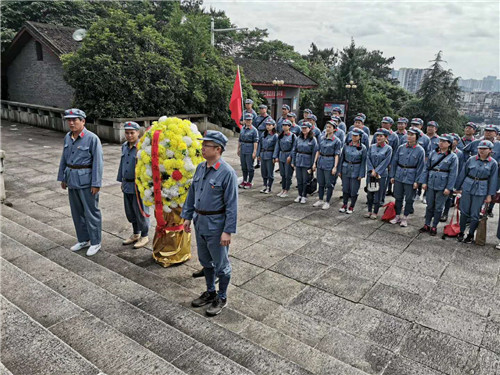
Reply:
x=126, y=68
x=439, y=97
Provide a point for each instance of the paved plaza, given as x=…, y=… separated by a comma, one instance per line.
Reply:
x=312, y=291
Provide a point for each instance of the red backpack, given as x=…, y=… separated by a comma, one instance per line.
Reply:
x=453, y=228
x=390, y=211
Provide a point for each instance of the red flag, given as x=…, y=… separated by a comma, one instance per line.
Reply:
x=236, y=100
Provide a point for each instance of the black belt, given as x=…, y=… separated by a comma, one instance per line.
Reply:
x=305, y=153
x=407, y=166
x=79, y=166
x=286, y=150
x=210, y=212
x=248, y=142
x=269, y=150
x=478, y=179
x=129, y=179
x=326, y=154
x=441, y=170
x=352, y=162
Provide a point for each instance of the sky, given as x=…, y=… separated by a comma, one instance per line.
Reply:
x=468, y=32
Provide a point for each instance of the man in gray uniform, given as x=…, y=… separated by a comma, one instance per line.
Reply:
x=80, y=171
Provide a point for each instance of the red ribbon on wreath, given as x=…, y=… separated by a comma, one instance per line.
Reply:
x=155, y=166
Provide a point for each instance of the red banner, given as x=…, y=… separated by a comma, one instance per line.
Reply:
x=269, y=94
x=155, y=166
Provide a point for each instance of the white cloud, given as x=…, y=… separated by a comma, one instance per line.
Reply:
x=412, y=31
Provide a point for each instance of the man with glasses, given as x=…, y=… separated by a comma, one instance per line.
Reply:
x=212, y=204
x=80, y=171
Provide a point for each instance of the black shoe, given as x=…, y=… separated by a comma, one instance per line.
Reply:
x=204, y=299
x=217, y=305
x=444, y=218
x=460, y=237
x=469, y=238
x=490, y=214
x=257, y=166
x=389, y=193
x=199, y=273
x=424, y=229
x=433, y=231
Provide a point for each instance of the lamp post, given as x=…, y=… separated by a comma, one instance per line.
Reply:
x=276, y=82
x=349, y=86
x=213, y=30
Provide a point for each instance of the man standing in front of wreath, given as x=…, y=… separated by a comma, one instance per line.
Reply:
x=212, y=203
x=80, y=171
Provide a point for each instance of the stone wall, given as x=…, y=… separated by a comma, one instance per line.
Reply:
x=38, y=82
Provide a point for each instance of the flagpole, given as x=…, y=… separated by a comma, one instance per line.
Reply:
x=241, y=90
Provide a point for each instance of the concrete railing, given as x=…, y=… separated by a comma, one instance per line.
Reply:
x=108, y=129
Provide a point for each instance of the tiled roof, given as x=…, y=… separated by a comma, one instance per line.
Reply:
x=60, y=38
x=263, y=72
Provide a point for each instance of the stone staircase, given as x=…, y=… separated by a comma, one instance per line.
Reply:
x=64, y=313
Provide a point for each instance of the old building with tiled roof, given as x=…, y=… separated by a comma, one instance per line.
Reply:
x=33, y=68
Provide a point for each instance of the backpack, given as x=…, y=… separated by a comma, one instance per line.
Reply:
x=390, y=211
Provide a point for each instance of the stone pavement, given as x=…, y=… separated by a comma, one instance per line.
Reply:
x=312, y=291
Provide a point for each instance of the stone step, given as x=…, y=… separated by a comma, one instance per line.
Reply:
x=4, y=370
x=231, y=319
x=29, y=348
x=106, y=348
x=89, y=296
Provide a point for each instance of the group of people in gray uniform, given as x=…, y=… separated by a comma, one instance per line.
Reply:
x=401, y=162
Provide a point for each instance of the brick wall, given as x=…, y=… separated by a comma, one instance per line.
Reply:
x=38, y=82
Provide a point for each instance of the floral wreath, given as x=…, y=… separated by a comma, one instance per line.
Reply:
x=177, y=153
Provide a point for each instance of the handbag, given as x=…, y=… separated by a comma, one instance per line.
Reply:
x=374, y=185
x=453, y=228
x=390, y=211
x=311, y=184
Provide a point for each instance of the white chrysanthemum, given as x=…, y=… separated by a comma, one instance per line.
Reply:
x=139, y=154
x=194, y=128
x=147, y=150
x=189, y=181
x=187, y=140
x=148, y=194
x=170, y=154
x=165, y=142
x=173, y=205
x=162, y=168
x=146, y=142
x=188, y=164
x=162, y=118
x=166, y=209
x=149, y=171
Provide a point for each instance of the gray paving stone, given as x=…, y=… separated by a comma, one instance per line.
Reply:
x=385, y=330
x=458, y=323
x=403, y=366
x=393, y=301
x=25, y=236
x=299, y=326
x=379, y=252
x=273, y=221
x=10, y=248
x=284, y=241
x=39, y=267
x=28, y=348
x=243, y=271
x=273, y=286
x=108, y=349
x=200, y=360
x=408, y=281
x=321, y=221
x=260, y=255
x=34, y=298
x=4, y=370
x=42, y=213
x=304, y=230
x=469, y=299
x=254, y=232
x=395, y=240
x=250, y=304
x=293, y=211
x=346, y=227
x=491, y=337
x=410, y=231
x=322, y=305
x=299, y=268
x=362, y=354
x=424, y=260
x=323, y=252
x=440, y=351
x=468, y=276
x=489, y=362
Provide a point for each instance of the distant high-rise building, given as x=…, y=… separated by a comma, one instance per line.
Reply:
x=410, y=78
x=487, y=84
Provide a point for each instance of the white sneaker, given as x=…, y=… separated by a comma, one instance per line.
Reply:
x=497, y=247
x=367, y=215
x=297, y=200
x=268, y=191
x=424, y=200
x=325, y=206
x=342, y=209
x=284, y=195
x=404, y=221
x=318, y=203
x=80, y=245
x=280, y=193
x=263, y=190
x=396, y=220
x=350, y=210
x=303, y=200
x=93, y=249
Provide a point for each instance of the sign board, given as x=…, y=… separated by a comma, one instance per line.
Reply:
x=269, y=94
x=328, y=106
